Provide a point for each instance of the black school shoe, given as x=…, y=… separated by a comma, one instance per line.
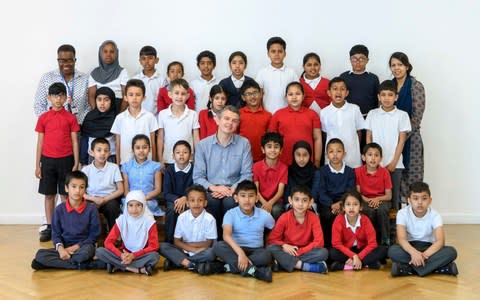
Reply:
x=168, y=265
x=399, y=269
x=204, y=268
x=450, y=269
x=275, y=266
x=263, y=273
x=46, y=233
x=36, y=265
x=337, y=266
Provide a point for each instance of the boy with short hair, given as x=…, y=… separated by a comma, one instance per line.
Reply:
x=105, y=181
x=151, y=77
x=176, y=180
x=421, y=246
x=296, y=241
x=134, y=120
x=75, y=229
x=389, y=126
x=271, y=175
x=243, y=235
x=343, y=120
x=254, y=119
x=177, y=122
x=330, y=182
x=195, y=233
x=375, y=186
x=274, y=78
x=57, y=152
x=206, y=62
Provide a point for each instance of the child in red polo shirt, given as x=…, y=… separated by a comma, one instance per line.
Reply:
x=271, y=175
x=296, y=122
x=254, y=119
x=375, y=186
x=353, y=238
x=57, y=152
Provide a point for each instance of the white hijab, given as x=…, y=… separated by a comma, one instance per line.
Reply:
x=134, y=230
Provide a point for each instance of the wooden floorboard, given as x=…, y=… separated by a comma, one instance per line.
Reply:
x=18, y=244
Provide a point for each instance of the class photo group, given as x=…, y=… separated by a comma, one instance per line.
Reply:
x=251, y=176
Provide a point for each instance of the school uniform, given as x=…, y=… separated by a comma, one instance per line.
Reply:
x=163, y=100
x=201, y=88
x=307, y=236
x=316, y=96
x=362, y=90
x=420, y=234
x=208, y=125
x=253, y=126
x=273, y=81
x=232, y=86
x=152, y=86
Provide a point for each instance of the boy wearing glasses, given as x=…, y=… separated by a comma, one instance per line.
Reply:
x=253, y=118
x=362, y=85
x=57, y=151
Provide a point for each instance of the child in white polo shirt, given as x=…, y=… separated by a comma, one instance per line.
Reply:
x=177, y=122
x=388, y=127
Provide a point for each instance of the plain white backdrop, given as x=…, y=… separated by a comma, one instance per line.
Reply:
x=440, y=37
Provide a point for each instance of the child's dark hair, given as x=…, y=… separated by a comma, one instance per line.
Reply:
x=353, y=193
x=337, y=80
x=148, y=51
x=175, y=63
x=403, y=58
x=388, y=85
x=66, y=48
x=196, y=188
x=216, y=89
x=419, y=187
x=311, y=55
x=295, y=83
x=140, y=137
x=182, y=143
x=57, y=88
x=181, y=82
x=207, y=54
x=245, y=185
x=303, y=189
x=76, y=175
x=135, y=83
x=359, y=49
x=372, y=146
x=335, y=141
x=276, y=40
x=237, y=53
x=99, y=140
x=272, y=137
x=249, y=83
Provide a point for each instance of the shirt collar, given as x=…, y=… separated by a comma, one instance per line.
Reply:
x=142, y=112
x=302, y=109
x=351, y=72
x=233, y=140
x=237, y=80
x=312, y=81
x=137, y=164
x=79, y=209
x=357, y=223
x=344, y=106
x=192, y=218
x=185, y=111
x=155, y=75
x=100, y=169
x=207, y=81
x=184, y=170
x=282, y=68
x=388, y=112
x=342, y=170
x=76, y=73
x=245, y=109
x=254, y=215
x=61, y=111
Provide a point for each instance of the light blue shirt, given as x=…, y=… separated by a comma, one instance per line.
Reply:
x=222, y=165
x=102, y=182
x=247, y=231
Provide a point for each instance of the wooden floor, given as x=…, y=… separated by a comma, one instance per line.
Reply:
x=18, y=281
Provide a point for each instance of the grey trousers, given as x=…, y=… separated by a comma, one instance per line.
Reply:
x=380, y=220
x=109, y=257
x=260, y=257
x=439, y=259
x=287, y=261
x=51, y=259
x=176, y=255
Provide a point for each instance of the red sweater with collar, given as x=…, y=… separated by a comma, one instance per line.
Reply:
x=319, y=94
x=343, y=237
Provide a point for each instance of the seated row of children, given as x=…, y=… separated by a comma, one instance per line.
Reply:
x=295, y=241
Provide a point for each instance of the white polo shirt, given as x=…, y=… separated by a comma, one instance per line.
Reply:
x=176, y=129
x=201, y=88
x=419, y=229
x=343, y=123
x=199, y=229
x=102, y=182
x=273, y=81
x=152, y=86
x=386, y=127
x=128, y=126
x=115, y=85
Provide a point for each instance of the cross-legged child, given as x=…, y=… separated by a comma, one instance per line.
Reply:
x=243, y=235
x=176, y=180
x=330, y=182
x=105, y=183
x=296, y=241
x=57, y=152
x=375, y=185
x=195, y=233
x=137, y=230
x=75, y=229
x=271, y=175
x=353, y=238
x=421, y=246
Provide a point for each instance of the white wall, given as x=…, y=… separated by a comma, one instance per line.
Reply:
x=439, y=37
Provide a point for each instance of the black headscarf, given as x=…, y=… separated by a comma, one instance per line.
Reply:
x=97, y=123
x=302, y=175
x=105, y=73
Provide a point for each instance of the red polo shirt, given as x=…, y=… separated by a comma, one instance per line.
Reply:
x=373, y=185
x=269, y=177
x=57, y=127
x=253, y=125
